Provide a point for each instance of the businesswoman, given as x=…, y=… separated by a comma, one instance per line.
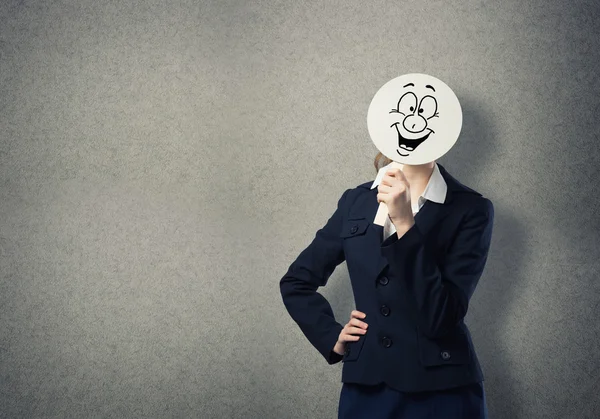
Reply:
x=406, y=350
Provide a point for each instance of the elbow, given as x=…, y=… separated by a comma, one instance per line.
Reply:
x=291, y=288
x=288, y=282
x=286, y=287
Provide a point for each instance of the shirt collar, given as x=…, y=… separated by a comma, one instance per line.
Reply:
x=434, y=191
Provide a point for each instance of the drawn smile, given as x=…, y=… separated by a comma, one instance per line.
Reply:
x=406, y=144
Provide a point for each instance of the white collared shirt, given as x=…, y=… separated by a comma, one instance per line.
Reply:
x=434, y=191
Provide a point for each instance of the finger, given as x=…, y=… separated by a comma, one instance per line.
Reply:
x=352, y=330
x=357, y=314
x=385, y=182
x=398, y=186
x=358, y=323
x=396, y=174
x=384, y=188
x=393, y=180
x=347, y=338
x=388, y=180
x=399, y=174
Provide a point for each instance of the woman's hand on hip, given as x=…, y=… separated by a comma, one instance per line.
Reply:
x=351, y=331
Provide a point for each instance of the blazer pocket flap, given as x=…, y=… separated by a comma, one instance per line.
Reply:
x=454, y=349
x=353, y=349
x=353, y=228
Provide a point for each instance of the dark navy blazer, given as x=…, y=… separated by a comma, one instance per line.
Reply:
x=414, y=290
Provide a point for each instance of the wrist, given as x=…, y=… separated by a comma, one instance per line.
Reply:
x=339, y=348
x=402, y=226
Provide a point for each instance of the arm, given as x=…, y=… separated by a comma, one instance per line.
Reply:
x=311, y=269
x=442, y=292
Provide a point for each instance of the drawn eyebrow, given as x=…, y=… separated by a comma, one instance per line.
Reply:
x=431, y=87
x=410, y=84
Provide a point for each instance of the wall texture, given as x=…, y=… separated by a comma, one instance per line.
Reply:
x=163, y=162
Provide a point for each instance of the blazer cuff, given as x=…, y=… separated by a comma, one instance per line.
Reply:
x=334, y=358
x=327, y=351
x=411, y=237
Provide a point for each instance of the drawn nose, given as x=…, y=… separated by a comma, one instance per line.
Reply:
x=415, y=123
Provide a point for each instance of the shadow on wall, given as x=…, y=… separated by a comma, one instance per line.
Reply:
x=504, y=272
x=502, y=279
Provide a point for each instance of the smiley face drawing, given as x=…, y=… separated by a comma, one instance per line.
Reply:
x=414, y=119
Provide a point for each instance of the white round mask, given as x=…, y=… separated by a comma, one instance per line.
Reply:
x=414, y=119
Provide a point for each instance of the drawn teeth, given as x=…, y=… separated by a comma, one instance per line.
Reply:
x=407, y=147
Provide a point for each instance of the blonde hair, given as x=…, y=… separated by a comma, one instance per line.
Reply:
x=380, y=161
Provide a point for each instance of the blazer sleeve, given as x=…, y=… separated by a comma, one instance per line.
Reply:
x=311, y=269
x=442, y=292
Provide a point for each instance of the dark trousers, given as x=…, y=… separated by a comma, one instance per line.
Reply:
x=358, y=401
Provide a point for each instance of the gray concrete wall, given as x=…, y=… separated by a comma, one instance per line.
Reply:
x=162, y=164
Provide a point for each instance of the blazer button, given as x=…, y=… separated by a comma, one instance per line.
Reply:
x=445, y=355
x=347, y=350
x=385, y=310
x=384, y=280
x=387, y=342
x=354, y=229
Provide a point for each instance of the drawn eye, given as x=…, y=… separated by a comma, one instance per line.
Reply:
x=428, y=107
x=407, y=103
